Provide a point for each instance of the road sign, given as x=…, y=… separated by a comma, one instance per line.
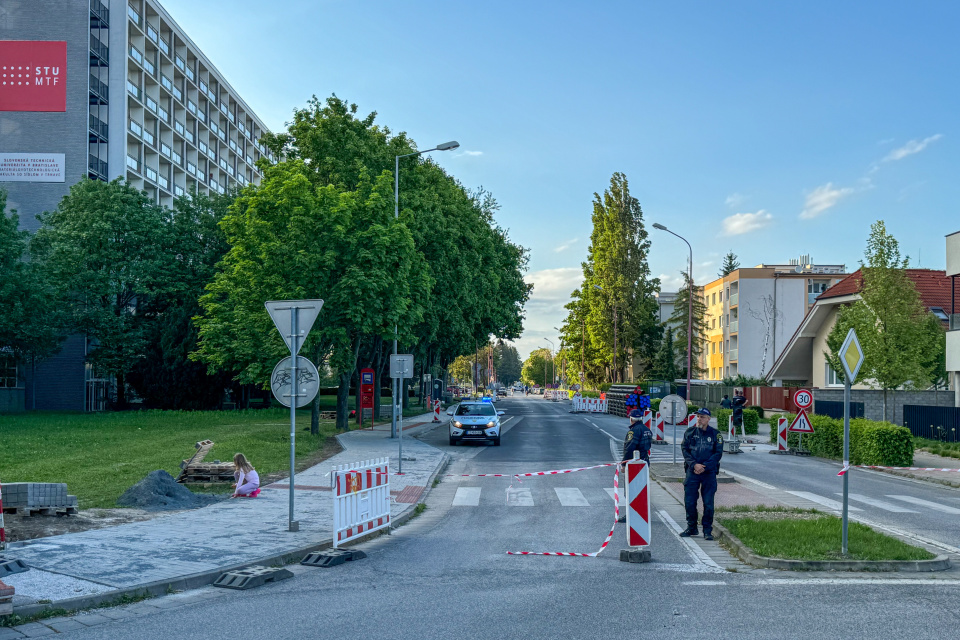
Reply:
x=280, y=311
x=401, y=365
x=801, y=424
x=851, y=356
x=673, y=408
x=803, y=398
x=308, y=382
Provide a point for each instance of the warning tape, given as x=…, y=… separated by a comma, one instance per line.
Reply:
x=871, y=466
x=616, y=517
x=527, y=475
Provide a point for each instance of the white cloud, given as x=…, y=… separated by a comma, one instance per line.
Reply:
x=912, y=147
x=822, y=198
x=566, y=245
x=470, y=153
x=735, y=200
x=740, y=223
x=544, y=309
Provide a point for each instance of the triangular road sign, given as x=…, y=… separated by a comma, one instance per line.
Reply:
x=281, y=311
x=801, y=424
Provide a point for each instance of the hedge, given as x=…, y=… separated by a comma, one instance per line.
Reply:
x=751, y=420
x=871, y=441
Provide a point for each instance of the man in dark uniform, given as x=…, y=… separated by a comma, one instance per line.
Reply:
x=702, y=449
x=638, y=438
x=737, y=404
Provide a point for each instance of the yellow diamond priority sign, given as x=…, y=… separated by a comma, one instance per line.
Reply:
x=851, y=356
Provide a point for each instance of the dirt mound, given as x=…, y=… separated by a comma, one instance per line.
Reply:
x=159, y=491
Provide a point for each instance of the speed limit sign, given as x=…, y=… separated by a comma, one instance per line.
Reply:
x=803, y=398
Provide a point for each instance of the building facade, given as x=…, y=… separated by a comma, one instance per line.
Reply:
x=752, y=313
x=953, y=327
x=110, y=89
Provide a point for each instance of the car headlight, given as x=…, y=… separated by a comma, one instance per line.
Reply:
x=491, y=424
x=457, y=424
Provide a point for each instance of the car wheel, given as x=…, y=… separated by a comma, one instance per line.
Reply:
x=496, y=441
x=453, y=441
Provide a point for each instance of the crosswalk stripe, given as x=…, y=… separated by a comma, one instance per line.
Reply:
x=467, y=497
x=926, y=503
x=609, y=491
x=827, y=502
x=571, y=497
x=879, y=504
x=519, y=497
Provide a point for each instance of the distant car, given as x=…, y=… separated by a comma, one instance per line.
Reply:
x=477, y=421
x=502, y=392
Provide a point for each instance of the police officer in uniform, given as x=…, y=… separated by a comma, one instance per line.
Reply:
x=638, y=438
x=737, y=405
x=702, y=449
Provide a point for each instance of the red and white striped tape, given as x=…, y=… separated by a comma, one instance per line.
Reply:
x=872, y=466
x=527, y=475
x=616, y=516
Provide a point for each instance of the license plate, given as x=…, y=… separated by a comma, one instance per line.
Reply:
x=474, y=433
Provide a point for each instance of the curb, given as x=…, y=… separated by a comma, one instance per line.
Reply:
x=940, y=563
x=202, y=579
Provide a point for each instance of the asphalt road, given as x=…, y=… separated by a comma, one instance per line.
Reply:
x=446, y=573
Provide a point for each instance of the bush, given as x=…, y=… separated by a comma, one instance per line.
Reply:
x=871, y=442
x=751, y=421
x=655, y=404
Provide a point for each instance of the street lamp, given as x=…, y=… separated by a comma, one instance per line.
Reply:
x=616, y=373
x=689, y=301
x=446, y=146
x=545, y=364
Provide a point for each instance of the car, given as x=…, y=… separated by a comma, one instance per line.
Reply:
x=474, y=421
x=502, y=392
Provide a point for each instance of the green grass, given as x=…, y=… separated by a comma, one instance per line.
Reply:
x=100, y=455
x=817, y=537
x=946, y=449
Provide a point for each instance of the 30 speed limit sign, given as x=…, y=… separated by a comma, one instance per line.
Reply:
x=803, y=398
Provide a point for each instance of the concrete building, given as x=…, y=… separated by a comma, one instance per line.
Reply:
x=953, y=332
x=110, y=89
x=753, y=312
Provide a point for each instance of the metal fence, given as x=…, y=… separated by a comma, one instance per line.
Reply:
x=937, y=423
x=835, y=409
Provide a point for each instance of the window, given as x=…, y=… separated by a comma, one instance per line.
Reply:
x=151, y=174
x=214, y=127
x=721, y=296
x=714, y=298
x=133, y=163
x=8, y=372
x=203, y=87
x=189, y=136
x=136, y=55
x=152, y=33
x=136, y=128
x=177, y=158
x=202, y=146
x=178, y=126
x=148, y=138
x=164, y=47
x=133, y=89
x=133, y=14
x=940, y=313
x=830, y=376
x=189, y=72
x=177, y=190
x=149, y=67
x=164, y=149
x=191, y=107
x=165, y=81
x=191, y=168
x=177, y=94
x=223, y=164
x=163, y=114
x=201, y=116
x=164, y=183
x=179, y=62
x=223, y=107
x=151, y=104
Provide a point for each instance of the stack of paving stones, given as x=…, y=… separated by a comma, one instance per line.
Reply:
x=45, y=498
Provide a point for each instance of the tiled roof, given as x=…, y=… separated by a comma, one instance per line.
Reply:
x=932, y=285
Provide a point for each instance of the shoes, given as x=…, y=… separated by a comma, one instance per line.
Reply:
x=686, y=533
x=708, y=536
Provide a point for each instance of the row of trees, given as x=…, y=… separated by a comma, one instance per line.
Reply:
x=173, y=299
x=473, y=369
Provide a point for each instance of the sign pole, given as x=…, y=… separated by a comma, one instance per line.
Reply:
x=846, y=459
x=673, y=415
x=293, y=525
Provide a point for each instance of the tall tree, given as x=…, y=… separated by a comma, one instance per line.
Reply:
x=617, y=287
x=538, y=367
x=679, y=321
x=103, y=249
x=665, y=363
x=730, y=264
x=890, y=320
x=509, y=367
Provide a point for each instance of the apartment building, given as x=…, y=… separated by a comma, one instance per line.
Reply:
x=753, y=312
x=109, y=89
x=953, y=328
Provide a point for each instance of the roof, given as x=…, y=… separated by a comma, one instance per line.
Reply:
x=933, y=285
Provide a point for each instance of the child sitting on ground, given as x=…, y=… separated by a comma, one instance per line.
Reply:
x=248, y=482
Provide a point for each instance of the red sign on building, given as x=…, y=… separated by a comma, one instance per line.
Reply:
x=33, y=75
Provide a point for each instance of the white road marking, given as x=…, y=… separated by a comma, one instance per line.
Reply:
x=698, y=554
x=879, y=504
x=740, y=476
x=609, y=491
x=467, y=497
x=827, y=502
x=571, y=497
x=926, y=503
x=705, y=583
x=787, y=582
x=519, y=497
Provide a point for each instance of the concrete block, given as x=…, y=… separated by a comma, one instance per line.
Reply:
x=635, y=555
x=251, y=577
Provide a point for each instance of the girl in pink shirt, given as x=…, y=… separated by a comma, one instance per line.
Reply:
x=248, y=482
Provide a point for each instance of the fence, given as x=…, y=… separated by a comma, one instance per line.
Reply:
x=835, y=409
x=361, y=499
x=937, y=423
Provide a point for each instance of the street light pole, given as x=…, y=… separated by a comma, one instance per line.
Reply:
x=689, y=304
x=395, y=384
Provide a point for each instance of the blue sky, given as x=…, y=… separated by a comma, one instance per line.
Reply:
x=769, y=128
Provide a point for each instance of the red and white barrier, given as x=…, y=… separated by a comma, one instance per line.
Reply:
x=648, y=419
x=731, y=430
x=361, y=499
x=436, y=411
x=638, y=504
x=781, y=434
x=658, y=428
x=589, y=405
x=872, y=466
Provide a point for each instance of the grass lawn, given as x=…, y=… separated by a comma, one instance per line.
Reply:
x=810, y=535
x=100, y=455
x=946, y=449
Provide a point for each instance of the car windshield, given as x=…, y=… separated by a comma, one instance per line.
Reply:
x=476, y=410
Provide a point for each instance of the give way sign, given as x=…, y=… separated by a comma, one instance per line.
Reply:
x=801, y=424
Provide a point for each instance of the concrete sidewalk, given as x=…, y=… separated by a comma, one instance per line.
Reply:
x=187, y=549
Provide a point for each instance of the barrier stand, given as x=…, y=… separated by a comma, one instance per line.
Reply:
x=638, y=511
x=361, y=499
x=781, y=427
x=732, y=443
x=658, y=437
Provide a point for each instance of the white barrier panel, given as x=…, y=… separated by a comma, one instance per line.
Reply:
x=361, y=499
x=589, y=405
x=638, y=504
x=658, y=428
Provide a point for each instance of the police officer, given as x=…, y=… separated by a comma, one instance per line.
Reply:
x=737, y=404
x=702, y=449
x=638, y=438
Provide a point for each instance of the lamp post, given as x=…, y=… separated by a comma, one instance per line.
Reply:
x=446, y=146
x=616, y=373
x=689, y=303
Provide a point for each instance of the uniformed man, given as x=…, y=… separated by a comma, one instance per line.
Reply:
x=638, y=438
x=737, y=405
x=702, y=449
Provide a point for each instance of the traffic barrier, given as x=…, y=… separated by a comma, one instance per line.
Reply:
x=436, y=411
x=658, y=428
x=648, y=419
x=589, y=405
x=638, y=504
x=361, y=499
x=781, y=434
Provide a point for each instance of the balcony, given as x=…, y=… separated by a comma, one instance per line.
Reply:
x=735, y=326
x=99, y=52
x=97, y=167
x=98, y=128
x=99, y=13
x=732, y=355
x=133, y=90
x=98, y=90
x=734, y=299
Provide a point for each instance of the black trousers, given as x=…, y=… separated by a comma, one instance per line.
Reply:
x=704, y=484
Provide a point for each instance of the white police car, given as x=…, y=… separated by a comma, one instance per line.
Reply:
x=475, y=421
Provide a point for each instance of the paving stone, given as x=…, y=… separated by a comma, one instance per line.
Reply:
x=91, y=619
x=117, y=614
x=9, y=633
x=34, y=630
x=64, y=624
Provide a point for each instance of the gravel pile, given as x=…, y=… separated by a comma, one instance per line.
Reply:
x=159, y=491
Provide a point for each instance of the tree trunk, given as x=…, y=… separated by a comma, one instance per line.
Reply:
x=343, y=398
x=356, y=396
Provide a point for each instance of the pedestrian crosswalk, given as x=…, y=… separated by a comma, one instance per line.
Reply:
x=522, y=496
x=882, y=503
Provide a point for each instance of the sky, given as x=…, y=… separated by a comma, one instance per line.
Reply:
x=771, y=129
